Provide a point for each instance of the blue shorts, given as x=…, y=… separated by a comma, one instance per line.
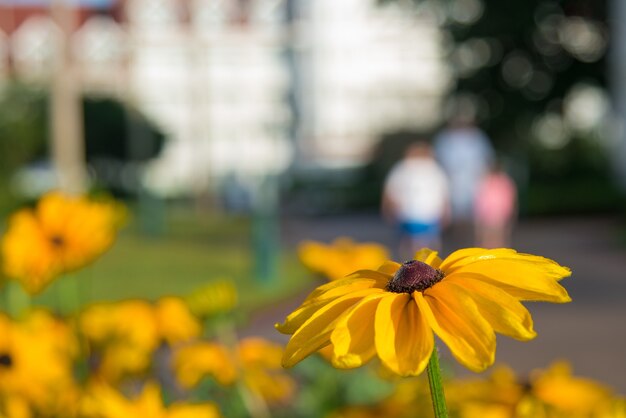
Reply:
x=420, y=229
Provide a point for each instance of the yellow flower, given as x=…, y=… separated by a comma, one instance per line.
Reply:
x=553, y=393
x=571, y=396
x=495, y=396
x=175, y=321
x=262, y=371
x=255, y=361
x=122, y=336
x=193, y=362
x=134, y=321
x=60, y=235
x=102, y=401
x=36, y=365
x=393, y=312
x=335, y=261
x=126, y=333
x=14, y=406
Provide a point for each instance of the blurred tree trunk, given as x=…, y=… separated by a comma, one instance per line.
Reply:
x=67, y=142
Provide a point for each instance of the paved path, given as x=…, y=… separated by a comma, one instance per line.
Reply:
x=590, y=331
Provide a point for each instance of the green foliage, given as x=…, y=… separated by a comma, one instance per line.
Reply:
x=23, y=126
x=113, y=132
x=195, y=249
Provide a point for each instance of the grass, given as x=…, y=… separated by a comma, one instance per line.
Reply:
x=194, y=249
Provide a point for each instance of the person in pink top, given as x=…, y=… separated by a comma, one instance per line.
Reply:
x=495, y=208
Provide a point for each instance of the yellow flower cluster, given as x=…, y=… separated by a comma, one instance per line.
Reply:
x=125, y=334
x=61, y=234
x=39, y=353
x=342, y=257
x=254, y=361
x=124, y=359
x=551, y=393
x=102, y=401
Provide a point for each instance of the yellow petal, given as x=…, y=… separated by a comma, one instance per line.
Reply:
x=428, y=256
x=311, y=305
x=466, y=257
x=503, y=312
x=404, y=340
x=315, y=332
x=526, y=278
x=470, y=255
x=353, y=337
x=374, y=278
x=456, y=320
x=381, y=277
x=389, y=268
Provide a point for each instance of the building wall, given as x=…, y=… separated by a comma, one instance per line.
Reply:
x=240, y=89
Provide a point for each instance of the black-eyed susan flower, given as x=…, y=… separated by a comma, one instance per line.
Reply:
x=393, y=312
x=125, y=334
x=558, y=390
x=336, y=260
x=36, y=357
x=496, y=395
x=551, y=393
x=175, y=322
x=254, y=361
x=60, y=235
x=203, y=358
x=102, y=401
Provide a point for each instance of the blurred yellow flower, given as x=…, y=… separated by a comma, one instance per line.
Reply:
x=36, y=357
x=15, y=407
x=130, y=320
x=126, y=333
x=102, y=401
x=255, y=361
x=464, y=299
x=342, y=257
x=194, y=361
x=261, y=370
x=174, y=320
x=568, y=395
x=215, y=297
x=60, y=235
x=493, y=397
x=553, y=393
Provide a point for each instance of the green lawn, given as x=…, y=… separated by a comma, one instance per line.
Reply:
x=194, y=249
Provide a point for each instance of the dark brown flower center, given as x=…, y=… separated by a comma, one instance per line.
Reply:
x=57, y=241
x=5, y=360
x=414, y=275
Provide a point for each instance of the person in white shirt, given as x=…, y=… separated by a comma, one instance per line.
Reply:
x=416, y=197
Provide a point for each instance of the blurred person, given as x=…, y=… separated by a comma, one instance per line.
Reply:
x=465, y=153
x=415, y=196
x=495, y=208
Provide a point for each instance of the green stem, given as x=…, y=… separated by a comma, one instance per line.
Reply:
x=436, y=385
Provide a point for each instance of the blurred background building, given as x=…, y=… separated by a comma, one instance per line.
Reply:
x=241, y=88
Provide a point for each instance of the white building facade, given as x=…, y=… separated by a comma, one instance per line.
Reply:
x=246, y=88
